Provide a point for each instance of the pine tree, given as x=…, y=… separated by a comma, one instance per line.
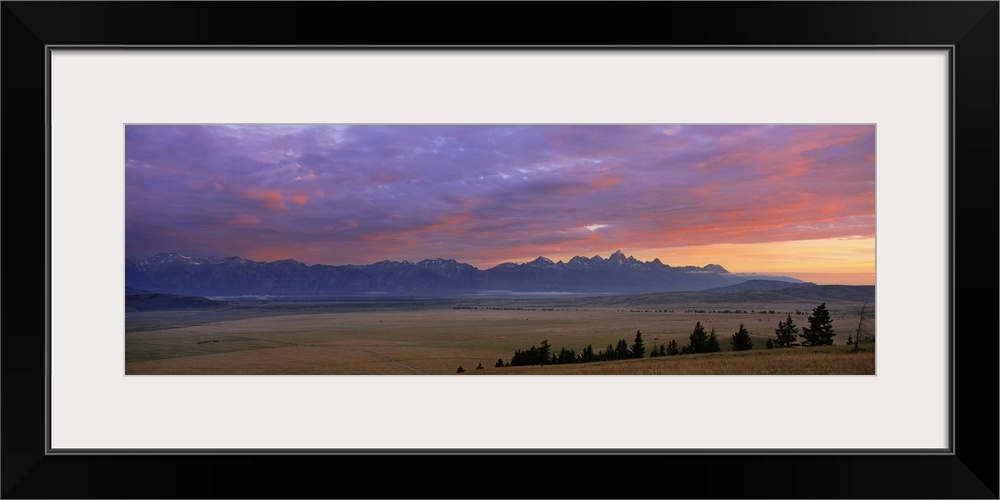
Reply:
x=697, y=340
x=770, y=343
x=672, y=348
x=460, y=369
x=566, y=356
x=544, y=352
x=608, y=354
x=741, y=340
x=621, y=350
x=820, y=330
x=499, y=363
x=663, y=350
x=712, y=344
x=638, y=350
x=786, y=334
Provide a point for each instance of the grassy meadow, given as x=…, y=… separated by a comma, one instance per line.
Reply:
x=436, y=337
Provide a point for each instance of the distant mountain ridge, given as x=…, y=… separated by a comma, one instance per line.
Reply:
x=756, y=285
x=141, y=300
x=231, y=276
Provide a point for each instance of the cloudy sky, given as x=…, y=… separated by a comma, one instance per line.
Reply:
x=792, y=199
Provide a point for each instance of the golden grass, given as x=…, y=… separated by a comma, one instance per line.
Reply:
x=437, y=341
x=829, y=360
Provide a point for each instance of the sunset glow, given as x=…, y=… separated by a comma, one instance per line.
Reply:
x=795, y=200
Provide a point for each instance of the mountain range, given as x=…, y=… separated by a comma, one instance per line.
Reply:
x=235, y=276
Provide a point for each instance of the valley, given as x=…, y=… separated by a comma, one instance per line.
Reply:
x=437, y=335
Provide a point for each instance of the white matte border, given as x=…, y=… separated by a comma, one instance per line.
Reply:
x=94, y=93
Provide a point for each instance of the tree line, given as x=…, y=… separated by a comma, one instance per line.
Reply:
x=543, y=355
x=819, y=332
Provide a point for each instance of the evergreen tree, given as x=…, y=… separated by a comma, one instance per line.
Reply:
x=521, y=358
x=770, y=343
x=544, y=352
x=820, y=329
x=663, y=350
x=499, y=363
x=786, y=334
x=654, y=352
x=622, y=351
x=697, y=340
x=588, y=354
x=672, y=348
x=638, y=350
x=460, y=369
x=533, y=356
x=712, y=344
x=566, y=356
x=609, y=353
x=480, y=367
x=741, y=340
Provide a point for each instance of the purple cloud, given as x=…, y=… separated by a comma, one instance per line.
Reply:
x=485, y=194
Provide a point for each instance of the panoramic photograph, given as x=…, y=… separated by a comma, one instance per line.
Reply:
x=460, y=250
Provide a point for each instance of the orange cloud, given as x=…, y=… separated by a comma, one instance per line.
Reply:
x=451, y=221
x=604, y=182
x=272, y=199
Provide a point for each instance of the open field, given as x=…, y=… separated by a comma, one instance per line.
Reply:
x=437, y=336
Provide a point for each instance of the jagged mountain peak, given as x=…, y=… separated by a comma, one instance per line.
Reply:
x=619, y=258
x=212, y=276
x=541, y=261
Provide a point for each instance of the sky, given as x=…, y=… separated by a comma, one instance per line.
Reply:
x=796, y=200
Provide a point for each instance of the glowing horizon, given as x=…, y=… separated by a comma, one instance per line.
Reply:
x=793, y=200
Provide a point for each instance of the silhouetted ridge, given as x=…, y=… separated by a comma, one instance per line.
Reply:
x=230, y=276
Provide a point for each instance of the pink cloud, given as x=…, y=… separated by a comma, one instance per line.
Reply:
x=365, y=193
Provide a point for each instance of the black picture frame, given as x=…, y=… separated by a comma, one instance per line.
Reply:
x=970, y=28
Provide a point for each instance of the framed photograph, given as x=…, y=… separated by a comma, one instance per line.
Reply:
x=160, y=150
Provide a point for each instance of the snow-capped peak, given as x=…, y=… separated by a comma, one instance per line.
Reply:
x=542, y=261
